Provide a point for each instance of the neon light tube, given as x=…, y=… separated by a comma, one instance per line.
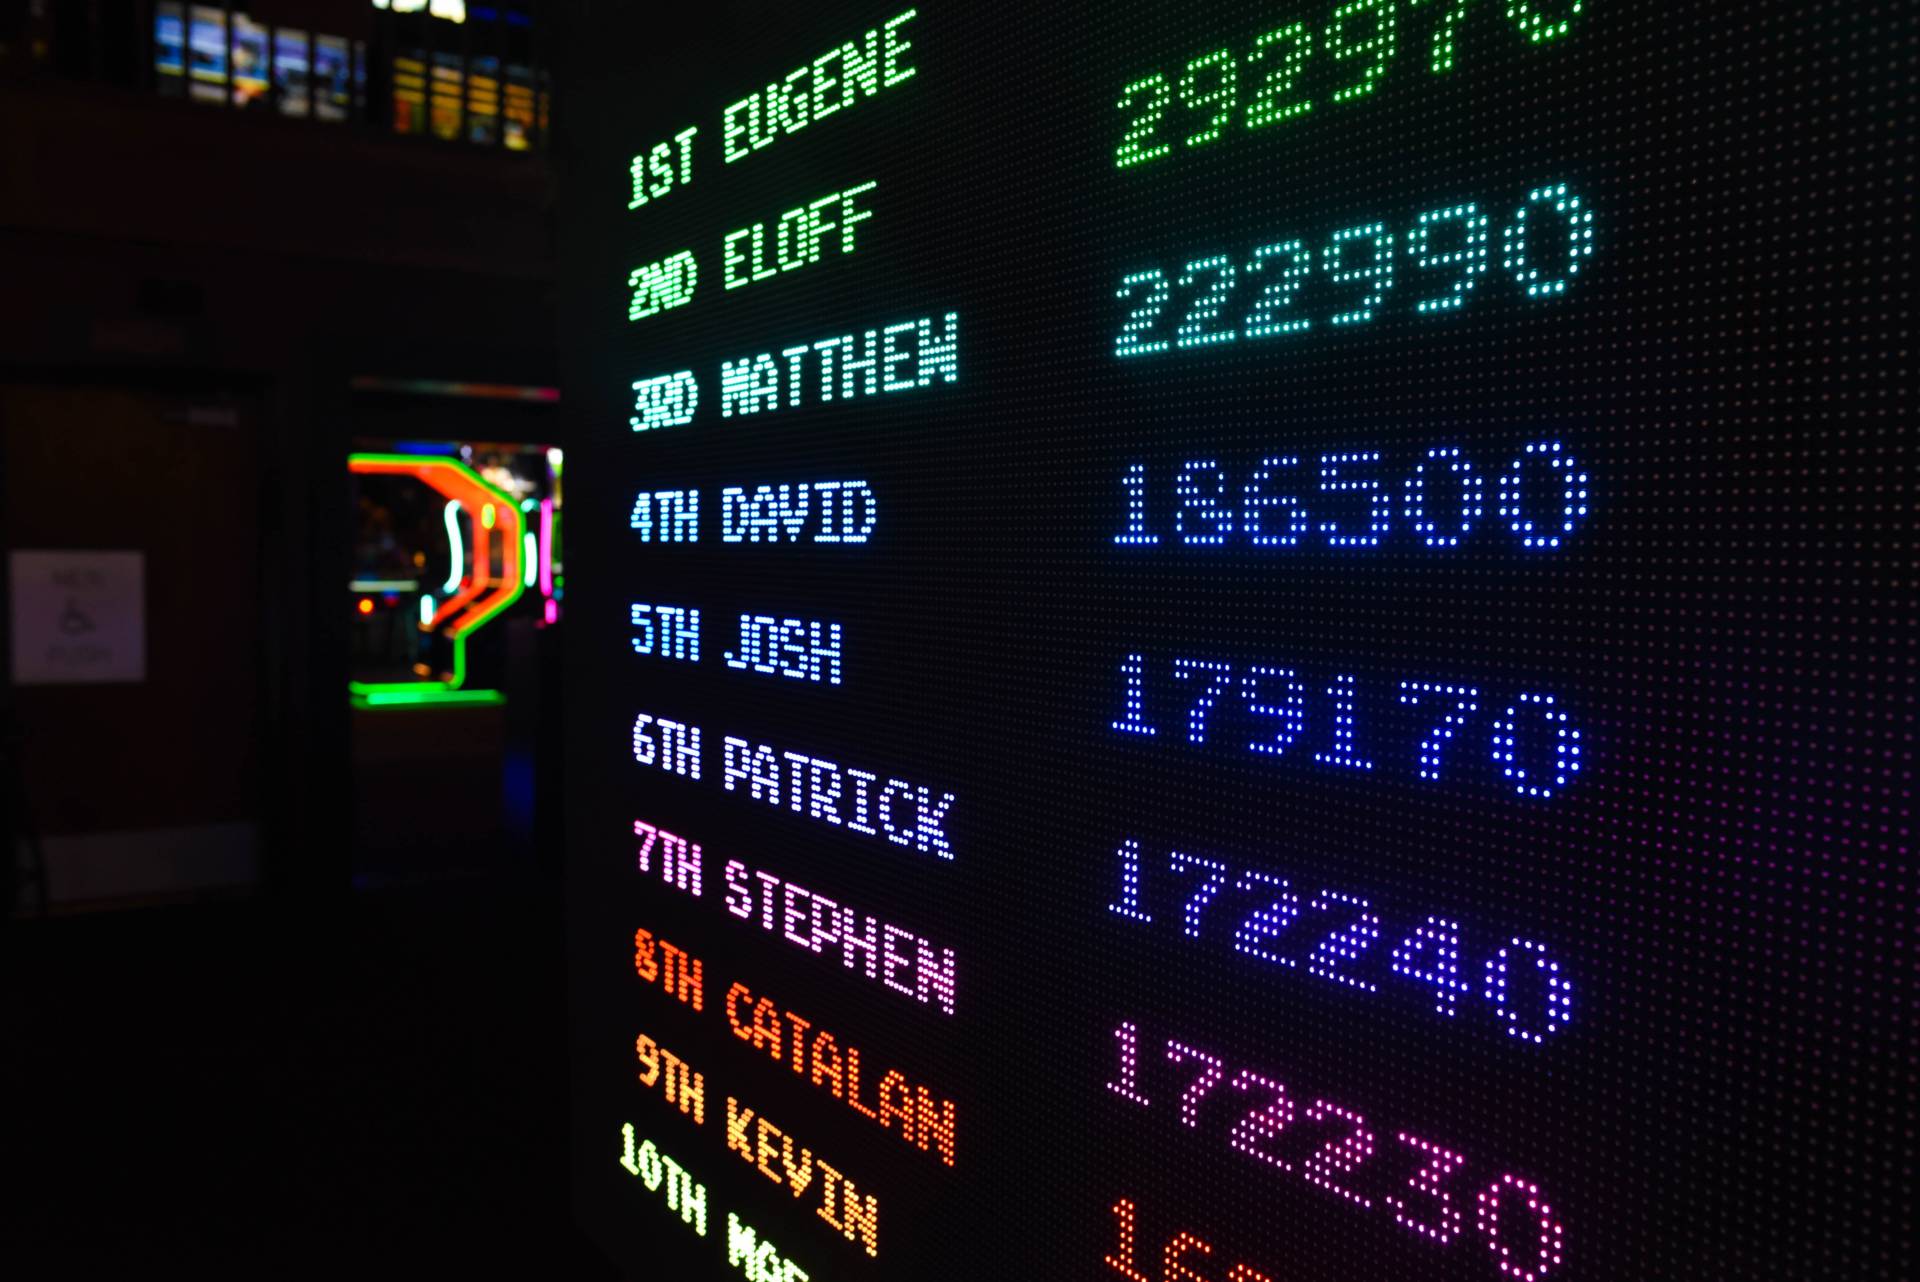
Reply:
x=459, y=553
x=428, y=696
x=546, y=548
x=481, y=595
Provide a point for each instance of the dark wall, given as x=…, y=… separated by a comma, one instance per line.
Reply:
x=189, y=293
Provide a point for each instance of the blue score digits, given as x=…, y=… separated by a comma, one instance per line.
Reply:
x=1538, y=497
x=1531, y=739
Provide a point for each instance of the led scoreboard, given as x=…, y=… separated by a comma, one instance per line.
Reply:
x=1241, y=642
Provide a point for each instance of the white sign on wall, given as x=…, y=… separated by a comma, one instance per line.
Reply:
x=78, y=617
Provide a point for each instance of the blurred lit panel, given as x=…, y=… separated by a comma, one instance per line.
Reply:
x=251, y=67
x=440, y=387
x=483, y=101
x=170, y=47
x=449, y=82
x=410, y=92
x=292, y=65
x=207, y=53
x=519, y=113
x=332, y=78
x=450, y=10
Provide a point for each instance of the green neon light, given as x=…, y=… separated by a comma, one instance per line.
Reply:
x=456, y=679
x=424, y=696
x=415, y=462
x=486, y=618
x=457, y=559
x=403, y=693
x=529, y=560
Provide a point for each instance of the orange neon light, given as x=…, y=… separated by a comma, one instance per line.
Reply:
x=473, y=581
x=482, y=594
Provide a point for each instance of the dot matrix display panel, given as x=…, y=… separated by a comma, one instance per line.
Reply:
x=1239, y=642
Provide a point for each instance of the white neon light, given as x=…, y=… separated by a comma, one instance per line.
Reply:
x=458, y=552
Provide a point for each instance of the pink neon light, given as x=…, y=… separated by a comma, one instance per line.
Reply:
x=546, y=554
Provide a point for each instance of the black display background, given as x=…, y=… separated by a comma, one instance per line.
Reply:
x=1727, y=879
